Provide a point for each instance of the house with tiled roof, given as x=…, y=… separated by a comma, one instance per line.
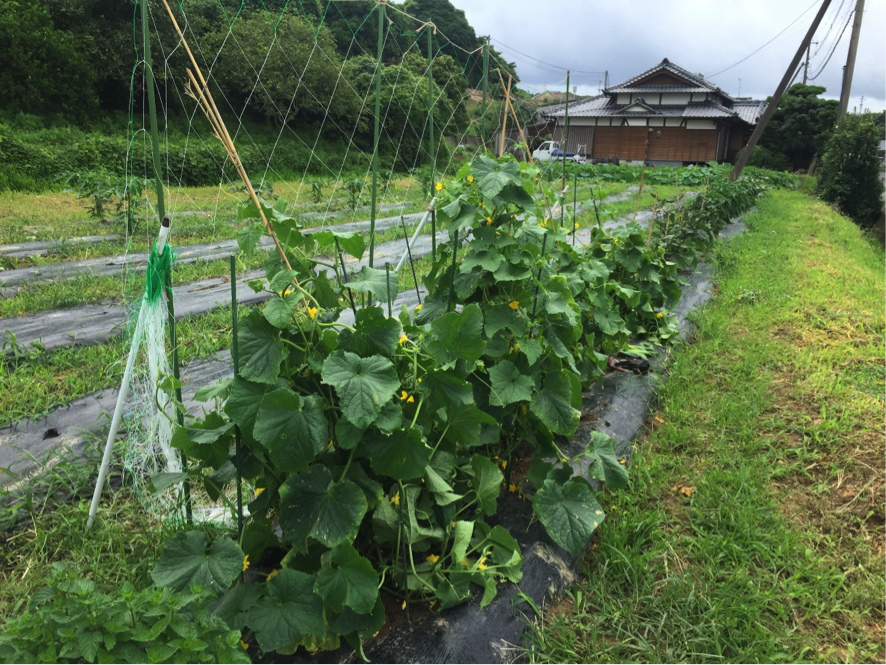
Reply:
x=666, y=115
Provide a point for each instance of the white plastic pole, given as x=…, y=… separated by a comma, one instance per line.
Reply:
x=418, y=229
x=124, y=392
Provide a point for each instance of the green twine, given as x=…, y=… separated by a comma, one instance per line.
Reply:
x=159, y=268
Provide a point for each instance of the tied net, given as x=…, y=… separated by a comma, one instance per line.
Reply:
x=301, y=89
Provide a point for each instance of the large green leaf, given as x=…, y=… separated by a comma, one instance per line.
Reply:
x=363, y=385
x=243, y=404
x=374, y=333
x=375, y=281
x=457, y=336
x=465, y=425
x=606, y=466
x=352, y=243
x=248, y=237
x=260, y=349
x=509, y=385
x=208, y=440
x=350, y=581
x=557, y=404
x=442, y=491
x=312, y=505
x=609, y=321
x=235, y=606
x=504, y=316
x=569, y=512
x=488, y=259
x=448, y=387
x=292, y=428
x=185, y=561
x=402, y=455
x=290, y=613
x=493, y=176
x=278, y=311
x=486, y=483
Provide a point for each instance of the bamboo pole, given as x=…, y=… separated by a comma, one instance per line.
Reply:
x=516, y=119
x=504, y=123
x=565, y=129
x=210, y=110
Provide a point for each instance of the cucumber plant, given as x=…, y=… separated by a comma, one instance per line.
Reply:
x=379, y=449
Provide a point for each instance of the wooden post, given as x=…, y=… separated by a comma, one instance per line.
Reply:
x=485, y=86
x=372, y=213
x=779, y=91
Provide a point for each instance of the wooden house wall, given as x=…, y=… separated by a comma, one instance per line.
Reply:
x=673, y=143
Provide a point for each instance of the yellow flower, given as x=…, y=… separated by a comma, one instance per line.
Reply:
x=659, y=315
x=417, y=307
x=245, y=563
x=403, y=395
x=403, y=606
x=243, y=644
x=488, y=221
x=259, y=490
x=504, y=464
x=464, y=562
x=432, y=558
x=273, y=574
x=395, y=500
x=439, y=186
x=482, y=564
x=419, y=380
x=544, y=223
x=403, y=338
x=512, y=488
x=470, y=178
x=615, y=240
x=285, y=293
x=514, y=304
x=577, y=226
x=410, y=400
x=312, y=312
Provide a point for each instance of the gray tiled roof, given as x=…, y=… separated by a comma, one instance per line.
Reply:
x=749, y=110
x=666, y=64
x=640, y=89
x=605, y=107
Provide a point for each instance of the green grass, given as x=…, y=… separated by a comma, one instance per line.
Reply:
x=771, y=421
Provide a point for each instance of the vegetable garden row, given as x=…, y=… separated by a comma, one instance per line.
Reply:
x=378, y=451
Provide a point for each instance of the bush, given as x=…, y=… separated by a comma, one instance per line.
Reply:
x=850, y=170
x=769, y=159
x=72, y=621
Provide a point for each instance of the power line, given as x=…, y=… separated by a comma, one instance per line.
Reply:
x=836, y=43
x=710, y=76
x=525, y=55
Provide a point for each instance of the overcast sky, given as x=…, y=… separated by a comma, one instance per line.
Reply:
x=706, y=36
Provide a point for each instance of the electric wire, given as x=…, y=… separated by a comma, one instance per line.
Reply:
x=753, y=53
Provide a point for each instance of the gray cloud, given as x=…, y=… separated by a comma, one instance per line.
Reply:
x=629, y=36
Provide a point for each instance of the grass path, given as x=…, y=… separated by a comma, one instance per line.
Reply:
x=753, y=528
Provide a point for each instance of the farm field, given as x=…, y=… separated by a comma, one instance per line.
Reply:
x=753, y=527
x=36, y=381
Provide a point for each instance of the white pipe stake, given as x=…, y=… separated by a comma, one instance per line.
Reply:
x=418, y=229
x=115, y=422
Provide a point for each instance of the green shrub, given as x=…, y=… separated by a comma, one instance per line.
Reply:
x=72, y=621
x=769, y=159
x=850, y=169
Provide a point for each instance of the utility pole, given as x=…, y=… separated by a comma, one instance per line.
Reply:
x=372, y=212
x=850, y=58
x=779, y=92
x=806, y=66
